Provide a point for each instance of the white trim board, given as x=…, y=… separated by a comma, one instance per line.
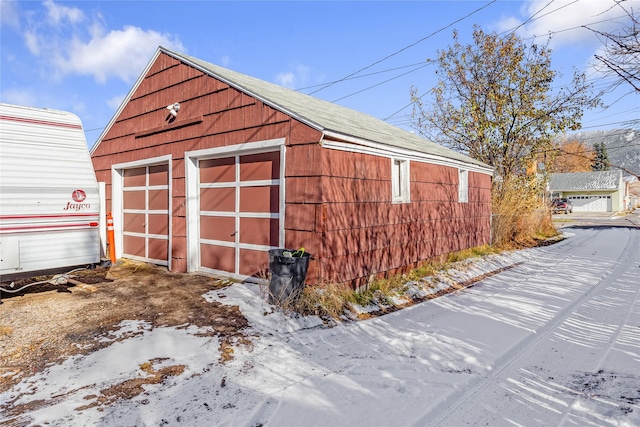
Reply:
x=366, y=147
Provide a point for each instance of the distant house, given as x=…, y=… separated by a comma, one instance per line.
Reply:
x=590, y=191
x=207, y=169
x=633, y=192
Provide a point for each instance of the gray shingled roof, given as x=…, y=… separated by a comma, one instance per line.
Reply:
x=585, y=181
x=323, y=115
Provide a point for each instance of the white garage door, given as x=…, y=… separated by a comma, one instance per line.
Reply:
x=145, y=210
x=590, y=203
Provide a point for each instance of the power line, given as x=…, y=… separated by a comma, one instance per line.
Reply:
x=551, y=33
x=405, y=48
x=362, y=76
x=378, y=84
x=533, y=17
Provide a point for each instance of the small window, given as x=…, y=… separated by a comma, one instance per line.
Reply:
x=463, y=186
x=400, y=180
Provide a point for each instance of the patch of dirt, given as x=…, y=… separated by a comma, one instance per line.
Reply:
x=41, y=328
x=133, y=387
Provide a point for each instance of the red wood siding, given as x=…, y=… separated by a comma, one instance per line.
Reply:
x=365, y=234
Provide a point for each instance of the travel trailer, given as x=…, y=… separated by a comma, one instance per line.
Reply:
x=49, y=198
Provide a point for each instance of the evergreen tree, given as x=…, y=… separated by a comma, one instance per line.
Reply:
x=601, y=160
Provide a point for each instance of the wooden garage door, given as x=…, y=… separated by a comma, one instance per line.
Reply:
x=145, y=202
x=239, y=212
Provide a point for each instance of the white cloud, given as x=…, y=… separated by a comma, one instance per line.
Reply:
x=58, y=13
x=32, y=42
x=564, y=19
x=294, y=79
x=69, y=43
x=118, y=53
x=286, y=79
x=115, y=102
x=9, y=14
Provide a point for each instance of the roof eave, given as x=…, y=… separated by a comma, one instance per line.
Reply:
x=403, y=152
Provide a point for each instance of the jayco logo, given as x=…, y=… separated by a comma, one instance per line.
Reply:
x=78, y=196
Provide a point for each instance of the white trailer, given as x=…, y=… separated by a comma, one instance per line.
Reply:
x=49, y=200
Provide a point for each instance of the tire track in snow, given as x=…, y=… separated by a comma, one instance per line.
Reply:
x=630, y=254
x=526, y=347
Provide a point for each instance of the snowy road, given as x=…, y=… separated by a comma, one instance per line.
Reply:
x=554, y=341
x=581, y=366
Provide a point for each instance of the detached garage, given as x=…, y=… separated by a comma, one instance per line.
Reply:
x=207, y=169
x=590, y=191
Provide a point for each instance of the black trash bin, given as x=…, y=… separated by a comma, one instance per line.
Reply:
x=288, y=270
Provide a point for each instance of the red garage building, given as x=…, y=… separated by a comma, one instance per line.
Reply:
x=207, y=169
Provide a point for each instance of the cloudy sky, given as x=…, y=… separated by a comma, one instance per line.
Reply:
x=85, y=56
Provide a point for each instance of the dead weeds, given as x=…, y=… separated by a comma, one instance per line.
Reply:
x=42, y=328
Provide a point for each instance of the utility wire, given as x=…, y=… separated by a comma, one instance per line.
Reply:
x=533, y=17
x=551, y=33
x=378, y=84
x=362, y=76
x=530, y=19
x=406, y=47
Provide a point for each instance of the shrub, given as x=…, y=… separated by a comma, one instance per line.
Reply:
x=520, y=215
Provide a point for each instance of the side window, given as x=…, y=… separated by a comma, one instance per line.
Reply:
x=400, y=180
x=463, y=186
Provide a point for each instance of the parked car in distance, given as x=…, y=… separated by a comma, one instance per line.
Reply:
x=561, y=205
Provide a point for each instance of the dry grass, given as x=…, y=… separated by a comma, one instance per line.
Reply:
x=328, y=301
x=335, y=302
x=520, y=217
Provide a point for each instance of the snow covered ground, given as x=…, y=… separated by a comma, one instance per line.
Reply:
x=555, y=340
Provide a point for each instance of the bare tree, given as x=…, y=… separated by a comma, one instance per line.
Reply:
x=621, y=54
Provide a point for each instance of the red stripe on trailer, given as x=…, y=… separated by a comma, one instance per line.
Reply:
x=40, y=122
x=48, y=216
x=45, y=227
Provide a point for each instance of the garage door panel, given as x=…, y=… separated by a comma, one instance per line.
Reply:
x=217, y=257
x=217, y=228
x=133, y=200
x=260, y=199
x=134, y=222
x=218, y=199
x=158, y=200
x=145, y=201
x=263, y=166
x=159, y=175
x=259, y=231
x=158, y=248
x=218, y=170
x=253, y=263
x=136, y=177
x=133, y=245
x=158, y=224
x=239, y=209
